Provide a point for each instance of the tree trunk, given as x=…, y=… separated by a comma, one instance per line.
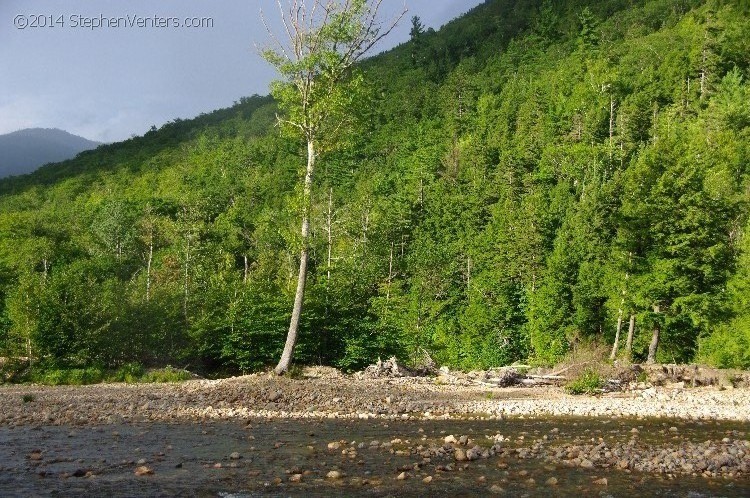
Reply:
x=613, y=354
x=148, y=267
x=186, y=286
x=631, y=331
x=654, y=341
x=329, y=231
x=291, y=338
x=611, y=125
x=390, y=275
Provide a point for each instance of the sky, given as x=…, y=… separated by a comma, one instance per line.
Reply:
x=87, y=67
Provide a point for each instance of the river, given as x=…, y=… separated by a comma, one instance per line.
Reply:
x=197, y=459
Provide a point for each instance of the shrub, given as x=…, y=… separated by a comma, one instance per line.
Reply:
x=589, y=382
x=130, y=373
x=167, y=374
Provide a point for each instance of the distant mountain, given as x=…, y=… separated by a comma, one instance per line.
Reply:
x=24, y=151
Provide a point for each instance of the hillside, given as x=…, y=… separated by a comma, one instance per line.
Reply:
x=517, y=185
x=23, y=151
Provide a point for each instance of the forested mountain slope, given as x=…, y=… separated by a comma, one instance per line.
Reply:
x=516, y=184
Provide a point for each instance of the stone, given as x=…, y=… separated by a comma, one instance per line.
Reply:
x=335, y=445
x=587, y=464
x=460, y=455
x=235, y=455
x=601, y=482
x=402, y=476
x=427, y=480
x=143, y=471
x=496, y=490
x=334, y=474
x=451, y=439
x=295, y=478
x=552, y=481
x=474, y=453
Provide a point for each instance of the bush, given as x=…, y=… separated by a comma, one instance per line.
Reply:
x=130, y=373
x=728, y=346
x=167, y=374
x=589, y=382
x=66, y=376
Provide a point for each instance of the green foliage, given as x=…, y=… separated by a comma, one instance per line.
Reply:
x=589, y=382
x=727, y=347
x=165, y=375
x=131, y=373
x=55, y=376
x=502, y=189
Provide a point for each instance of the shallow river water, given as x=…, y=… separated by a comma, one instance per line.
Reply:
x=196, y=459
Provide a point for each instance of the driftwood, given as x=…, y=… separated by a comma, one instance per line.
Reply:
x=547, y=377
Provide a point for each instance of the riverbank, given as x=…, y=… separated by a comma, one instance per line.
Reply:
x=326, y=393
x=329, y=433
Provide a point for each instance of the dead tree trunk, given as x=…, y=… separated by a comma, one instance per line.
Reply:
x=291, y=338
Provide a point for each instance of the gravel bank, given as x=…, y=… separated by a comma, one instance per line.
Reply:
x=329, y=394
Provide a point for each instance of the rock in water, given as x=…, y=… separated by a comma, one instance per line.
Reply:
x=143, y=471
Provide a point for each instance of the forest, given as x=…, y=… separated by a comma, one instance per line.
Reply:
x=532, y=178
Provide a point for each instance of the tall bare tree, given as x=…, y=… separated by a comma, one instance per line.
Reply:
x=320, y=42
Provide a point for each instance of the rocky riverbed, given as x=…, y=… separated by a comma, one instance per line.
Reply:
x=325, y=393
x=327, y=431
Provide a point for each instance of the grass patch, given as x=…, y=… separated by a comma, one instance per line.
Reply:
x=167, y=374
x=589, y=382
x=642, y=377
x=66, y=376
x=129, y=373
x=27, y=398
